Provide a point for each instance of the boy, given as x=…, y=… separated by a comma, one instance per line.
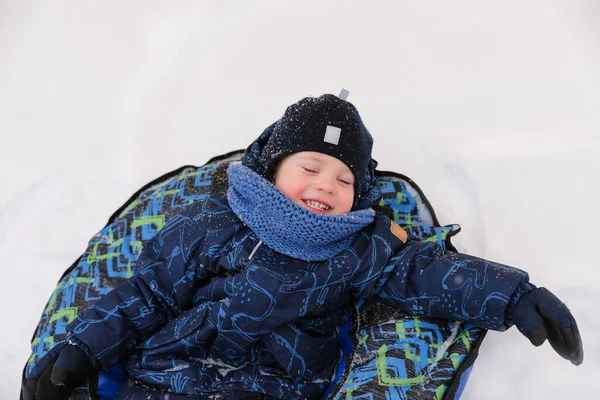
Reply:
x=240, y=295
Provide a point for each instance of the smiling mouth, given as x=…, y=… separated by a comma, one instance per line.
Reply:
x=316, y=205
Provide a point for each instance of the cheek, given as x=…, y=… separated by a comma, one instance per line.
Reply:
x=291, y=186
x=346, y=200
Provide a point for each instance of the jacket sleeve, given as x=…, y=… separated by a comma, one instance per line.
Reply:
x=423, y=279
x=171, y=266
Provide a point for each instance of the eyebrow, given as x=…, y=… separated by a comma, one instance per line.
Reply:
x=313, y=158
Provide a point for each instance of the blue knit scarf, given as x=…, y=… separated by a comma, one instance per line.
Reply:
x=285, y=226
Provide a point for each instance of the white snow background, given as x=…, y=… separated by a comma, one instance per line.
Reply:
x=492, y=108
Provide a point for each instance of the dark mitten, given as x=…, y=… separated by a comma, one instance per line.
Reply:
x=66, y=369
x=540, y=315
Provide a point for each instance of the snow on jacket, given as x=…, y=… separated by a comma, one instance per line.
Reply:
x=201, y=316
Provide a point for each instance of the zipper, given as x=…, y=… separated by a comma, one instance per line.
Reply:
x=254, y=250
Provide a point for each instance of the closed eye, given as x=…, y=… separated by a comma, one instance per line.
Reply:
x=345, y=182
x=312, y=171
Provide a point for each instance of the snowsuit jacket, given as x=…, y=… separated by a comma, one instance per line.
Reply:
x=210, y=309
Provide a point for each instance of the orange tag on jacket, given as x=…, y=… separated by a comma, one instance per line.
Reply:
x=399, y=232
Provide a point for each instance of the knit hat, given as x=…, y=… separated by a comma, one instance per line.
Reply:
x=325, y=124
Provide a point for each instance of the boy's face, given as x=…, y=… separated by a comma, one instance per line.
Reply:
x=316, y=181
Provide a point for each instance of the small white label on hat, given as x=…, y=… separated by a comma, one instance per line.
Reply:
x=332, y=135
x=344, y=94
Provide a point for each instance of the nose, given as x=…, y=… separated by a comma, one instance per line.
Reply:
x=325, y=185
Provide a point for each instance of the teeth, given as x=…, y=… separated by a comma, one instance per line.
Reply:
x=317, y=205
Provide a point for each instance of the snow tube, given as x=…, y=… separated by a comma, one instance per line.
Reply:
x=387, y=354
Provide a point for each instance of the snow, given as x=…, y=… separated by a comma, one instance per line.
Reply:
x=492, y=109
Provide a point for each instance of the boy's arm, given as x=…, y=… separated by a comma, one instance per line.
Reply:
x=423, y=279
x=169, y=270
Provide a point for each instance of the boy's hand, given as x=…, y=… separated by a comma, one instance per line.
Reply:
x=540, y=315
x=70, y=368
